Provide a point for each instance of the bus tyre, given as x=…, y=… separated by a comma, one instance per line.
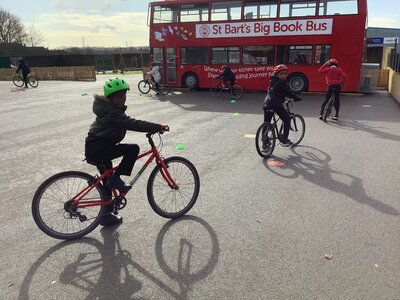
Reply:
x=191, y=81
x=297, y=82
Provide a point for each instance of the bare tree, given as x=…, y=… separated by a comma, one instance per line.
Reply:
x=34, y=37
x=11, y=28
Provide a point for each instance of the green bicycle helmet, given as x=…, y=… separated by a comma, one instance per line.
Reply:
x=113, y=85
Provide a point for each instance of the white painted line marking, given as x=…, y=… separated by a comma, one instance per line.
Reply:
x=250, y=136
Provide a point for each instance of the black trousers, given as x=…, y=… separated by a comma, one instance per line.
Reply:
x=25, y=77
x=335, y=90
x=101, y=155
x=283, y=115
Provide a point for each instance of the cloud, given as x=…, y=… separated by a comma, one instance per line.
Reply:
x=384, y=21
x=67, y=29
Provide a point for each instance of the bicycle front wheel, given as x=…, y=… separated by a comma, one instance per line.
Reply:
x=52, y=211
x=236, y=91
x=297, y=129
x=173, y=202
x=216, y=91
x=33, y=82
x=144, y=86
x=18, y=81
x=164, y=90
x=265, y=140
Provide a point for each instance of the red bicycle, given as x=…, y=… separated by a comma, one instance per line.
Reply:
x=69, y=205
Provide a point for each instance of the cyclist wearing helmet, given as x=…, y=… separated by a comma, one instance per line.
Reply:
x=277, y=91
x=24, y=68
x=335, y=78
x=227, y=75
x=102, y=144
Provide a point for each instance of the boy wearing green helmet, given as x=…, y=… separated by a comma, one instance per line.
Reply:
x=102, y=144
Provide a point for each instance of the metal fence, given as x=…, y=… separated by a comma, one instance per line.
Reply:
x=395, y=61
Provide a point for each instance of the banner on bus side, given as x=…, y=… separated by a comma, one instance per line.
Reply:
x=265, y=28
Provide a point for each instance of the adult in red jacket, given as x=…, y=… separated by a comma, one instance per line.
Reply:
x=335, y=77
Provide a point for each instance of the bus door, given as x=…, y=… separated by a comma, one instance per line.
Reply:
x=170, y=65
x=166, y=57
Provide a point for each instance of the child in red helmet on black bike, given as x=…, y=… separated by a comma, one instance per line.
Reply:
x=277, y=91
x=335, y=78
x=227, y=75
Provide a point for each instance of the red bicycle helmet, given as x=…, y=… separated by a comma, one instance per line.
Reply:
x=279, y=68
x=333, y=61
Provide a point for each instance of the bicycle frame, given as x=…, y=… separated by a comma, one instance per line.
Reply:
x=77, y=201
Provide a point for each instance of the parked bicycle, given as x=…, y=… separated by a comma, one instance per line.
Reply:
x=236, y=90
x=268, y=133
x=18, y=80
x=70, y=204
x=147, y=84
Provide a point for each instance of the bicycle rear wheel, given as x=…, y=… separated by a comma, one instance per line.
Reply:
x=265, y=140
x=33, y=82
x=18, y=81
x=164, y=90
x=52, y=211
x=327, y=109
x=216, y=91
x=297, y=129
x=171, y=202
x=236, y=91
x=144, y=86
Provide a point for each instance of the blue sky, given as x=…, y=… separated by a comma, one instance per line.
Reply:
x=123, y=22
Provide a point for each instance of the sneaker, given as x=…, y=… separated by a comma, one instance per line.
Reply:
x=115, y=182
x=321, y=117
x=286, y=143
x=110, y=220
x=335, y=118
x=157, y=94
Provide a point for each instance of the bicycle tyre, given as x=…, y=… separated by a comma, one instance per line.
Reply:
x=265, y=140
x=65, y=190
x=33, y=82
x=327, y=109
x=236, y=91
x=166, y=191
x=144, y=87
x=216, y=91
x=297, y=129
x=18, y=81
x=164, y=90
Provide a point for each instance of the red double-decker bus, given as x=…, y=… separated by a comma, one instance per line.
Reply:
x=192, y=39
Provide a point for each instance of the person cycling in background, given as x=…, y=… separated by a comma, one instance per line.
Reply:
x=227, y=75
x=155, y=76
x=334, y=77
x=102, y=143
x=24, y=68
x=277, y=91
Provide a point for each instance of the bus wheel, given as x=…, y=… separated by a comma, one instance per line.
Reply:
x=297, y=82
x=191, y=81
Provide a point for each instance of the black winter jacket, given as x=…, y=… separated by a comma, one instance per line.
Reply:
x=23, y=66
x=227, y=74
x=277, y=91
x=112, y=123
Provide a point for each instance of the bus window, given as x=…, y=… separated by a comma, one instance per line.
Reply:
x=297, y=8
x=258, y=55
x=338, y=7
x=260, y=9
x=298, y=55
x=165, y=14
x=225, y=55
x=194, y=56
x=223, y=11
x=194, y=12
x=322, y=54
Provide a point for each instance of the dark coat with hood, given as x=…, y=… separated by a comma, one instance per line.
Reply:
x=111, y=123
x=277, y=91
x=23, y=66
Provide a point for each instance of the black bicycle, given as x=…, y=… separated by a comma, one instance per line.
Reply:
x=18, y=80
x=146, y=85
x=236, y=90
x=268, y=133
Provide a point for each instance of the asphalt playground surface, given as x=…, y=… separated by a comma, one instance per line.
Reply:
x=323, y=225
